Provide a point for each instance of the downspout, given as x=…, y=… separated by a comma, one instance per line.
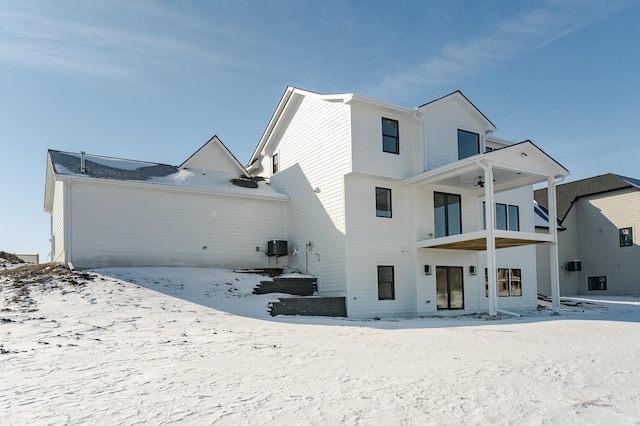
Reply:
x=66, y=216
x=424, y=138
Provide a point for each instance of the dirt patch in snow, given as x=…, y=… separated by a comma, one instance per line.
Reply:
x=9, y=258
x=16, y=284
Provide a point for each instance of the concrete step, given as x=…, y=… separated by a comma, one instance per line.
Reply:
x=290, y=285
x=309, y=306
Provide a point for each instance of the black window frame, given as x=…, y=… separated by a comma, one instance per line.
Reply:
x=390, y=292
x=597, y=283
x=466, y=132
x=380, y=212
x=446, y=214
x=508, y=209
x=394, y=138
x=626, y=236
x=275, y=163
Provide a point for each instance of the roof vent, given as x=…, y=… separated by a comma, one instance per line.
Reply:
x=82, y=168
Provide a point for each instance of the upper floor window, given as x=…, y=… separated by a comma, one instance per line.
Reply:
x=507, y=217
x=468, y=144
x=447, y=214
x=390, y=138
x=275, y=164
x=383, y=202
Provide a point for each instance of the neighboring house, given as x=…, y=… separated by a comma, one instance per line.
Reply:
x=386, y=203
x=114, y=212
x=598, y=250
x=383, y=204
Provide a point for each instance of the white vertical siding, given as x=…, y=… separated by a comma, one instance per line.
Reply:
x=141, y=225
x=599, y=219
x=442, y=124
x=315, y=153
x=57, y=223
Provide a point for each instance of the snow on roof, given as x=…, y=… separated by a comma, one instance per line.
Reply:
x=99, y=167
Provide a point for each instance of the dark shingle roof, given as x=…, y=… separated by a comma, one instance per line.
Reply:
x=108, y=168
x=567, y=193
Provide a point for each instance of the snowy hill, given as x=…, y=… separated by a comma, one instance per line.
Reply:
x=164, y=345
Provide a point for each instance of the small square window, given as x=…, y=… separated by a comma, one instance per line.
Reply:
x=390, y=137
x=626, y=237
x=383, y=202
x=386, y=286
x=597, y=283
x=275, y=164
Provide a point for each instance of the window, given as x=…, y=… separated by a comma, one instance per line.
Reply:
x=468, y=144
x=390, y=138
x=275, y=164
x=507, y=217
x=513, y=218
x=509, y=282
x=597, y=283
x=386, y=290
x=383, y=202
x=447, y=214
x=626, y=237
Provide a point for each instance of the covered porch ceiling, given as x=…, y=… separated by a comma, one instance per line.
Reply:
x=515, y=166
x=477, y=241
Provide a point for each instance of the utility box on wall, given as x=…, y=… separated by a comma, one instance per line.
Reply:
x=574, y=265
x=277, y=248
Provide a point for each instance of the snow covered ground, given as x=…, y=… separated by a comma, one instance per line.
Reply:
x=168, y=345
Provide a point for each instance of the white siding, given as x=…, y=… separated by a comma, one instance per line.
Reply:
x=124, y=225
x=377, y=241
x=57, y=223
x=213, y=156
x=599, y=219
x=314, y=153
x=442, y=124
x=368, y=156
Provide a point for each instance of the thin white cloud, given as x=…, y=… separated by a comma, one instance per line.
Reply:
x=94, y=44
x=508, y=39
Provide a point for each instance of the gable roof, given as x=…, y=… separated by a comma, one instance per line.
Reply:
x=568, y=193
x=458, y=95
x=347, y=98
x=214, y=155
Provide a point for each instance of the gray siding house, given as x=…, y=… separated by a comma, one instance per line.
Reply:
x=598, y=249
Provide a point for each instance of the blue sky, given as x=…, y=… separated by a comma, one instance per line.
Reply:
x=154, y=80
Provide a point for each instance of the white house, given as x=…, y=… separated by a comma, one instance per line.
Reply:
x=113, y=212
x=383, y=204
x=598, y=248
x=386, y=203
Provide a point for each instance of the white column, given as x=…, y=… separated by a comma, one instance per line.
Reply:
x=490, y=214
x=553, y=248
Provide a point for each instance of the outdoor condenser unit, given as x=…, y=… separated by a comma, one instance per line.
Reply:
x=574, y=265
x=277, y=248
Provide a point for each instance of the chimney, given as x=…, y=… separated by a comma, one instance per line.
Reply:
x=82, y=168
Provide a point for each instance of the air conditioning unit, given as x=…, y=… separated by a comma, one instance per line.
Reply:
x=574, y=265
x=277, y=248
